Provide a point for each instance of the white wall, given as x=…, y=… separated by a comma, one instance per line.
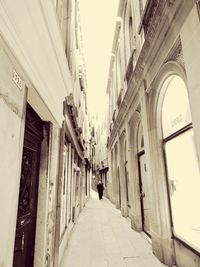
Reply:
x=12, y=119
x=31, y=30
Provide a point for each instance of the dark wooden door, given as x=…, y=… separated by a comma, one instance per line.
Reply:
x=144, y=193
x=27, y=203
x=119, y=186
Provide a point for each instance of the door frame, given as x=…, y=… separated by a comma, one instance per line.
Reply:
x=32, y=141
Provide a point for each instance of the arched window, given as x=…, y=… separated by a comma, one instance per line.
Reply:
x=175, y=110
x=131, y=34
x=140, y=139
x=181, y=162
x=144, y=182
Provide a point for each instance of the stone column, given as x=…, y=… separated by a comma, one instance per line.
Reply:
x=190, y=39
x=121, y=164
x=159, y=216
x=42, y=209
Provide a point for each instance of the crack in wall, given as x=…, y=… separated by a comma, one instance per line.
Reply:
x=11, y=105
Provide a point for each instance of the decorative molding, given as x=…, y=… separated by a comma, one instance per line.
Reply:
x=176, y=53
x=130, y=67
x=149, y=15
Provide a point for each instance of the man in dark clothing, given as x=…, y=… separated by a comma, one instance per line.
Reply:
x=100, y=189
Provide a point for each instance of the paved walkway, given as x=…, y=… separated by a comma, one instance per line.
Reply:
x=103, y=238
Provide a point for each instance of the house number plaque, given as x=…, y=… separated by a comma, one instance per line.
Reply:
x=17, y=80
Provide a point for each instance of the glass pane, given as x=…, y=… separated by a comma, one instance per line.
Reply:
x=184, y=185
x=175, y=110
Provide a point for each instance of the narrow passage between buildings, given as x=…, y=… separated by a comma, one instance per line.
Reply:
x=103, y=238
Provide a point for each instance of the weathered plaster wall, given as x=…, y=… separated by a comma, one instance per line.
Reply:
x=31, y=31
x=12, y=101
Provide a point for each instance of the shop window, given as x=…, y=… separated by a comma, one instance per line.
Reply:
x=181, y=162
x=175, y=110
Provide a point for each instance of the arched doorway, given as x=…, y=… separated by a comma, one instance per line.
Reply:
x=181, y=162
x=117, y=177
x=126, y=174
x=143, y=181
x=124, y=182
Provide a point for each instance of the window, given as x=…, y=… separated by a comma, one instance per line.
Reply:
x=131, y=35
x=118, y=70
x=198, y=7
x=175, y=110
x=181, y=162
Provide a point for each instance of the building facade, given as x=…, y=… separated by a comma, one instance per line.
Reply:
x=154, y=140
x=44, y=131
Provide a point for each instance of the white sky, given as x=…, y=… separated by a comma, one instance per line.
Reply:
x=97, y=22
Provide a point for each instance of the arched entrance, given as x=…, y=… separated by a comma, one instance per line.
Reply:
x=123, y=174
x=117, y=177
x=126, y=175
x=183, y=176
x=143, y=181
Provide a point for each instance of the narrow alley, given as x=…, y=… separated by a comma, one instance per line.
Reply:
x=103, y=238
x=99, y=95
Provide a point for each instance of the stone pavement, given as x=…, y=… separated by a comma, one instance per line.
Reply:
x=103, y=238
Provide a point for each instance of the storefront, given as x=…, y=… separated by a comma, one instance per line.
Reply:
x=182, y=168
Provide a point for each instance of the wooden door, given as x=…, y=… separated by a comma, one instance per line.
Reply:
x=27, y=203
x=144, y=193
x=119, y=187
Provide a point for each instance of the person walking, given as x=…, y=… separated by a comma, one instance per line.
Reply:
x=100, y=189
